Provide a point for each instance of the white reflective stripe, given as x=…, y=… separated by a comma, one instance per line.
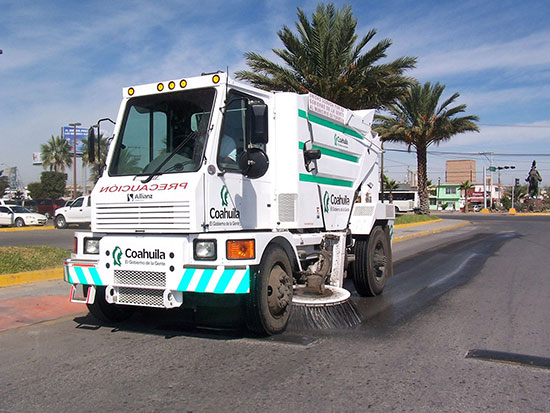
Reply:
x=195, y=280
x=214, y=280
x=235, y=282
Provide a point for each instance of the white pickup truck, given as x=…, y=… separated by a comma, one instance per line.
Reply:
x=79, y=212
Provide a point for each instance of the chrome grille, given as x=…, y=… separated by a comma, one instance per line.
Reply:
x=145, y=278
x=142, y=216
x=141, y=296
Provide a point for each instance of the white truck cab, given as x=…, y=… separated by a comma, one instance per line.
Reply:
x=215, y=188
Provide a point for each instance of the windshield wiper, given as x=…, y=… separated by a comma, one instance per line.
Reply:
x=170, y=156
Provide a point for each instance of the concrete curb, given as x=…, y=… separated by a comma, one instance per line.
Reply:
x=431, y=231
x=416, y=224
x=9, y=280
x=26, y=229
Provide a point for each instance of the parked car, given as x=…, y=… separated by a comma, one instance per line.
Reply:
x=78, y=212
x=47, y=206
x=20, y=216
x=30, y=204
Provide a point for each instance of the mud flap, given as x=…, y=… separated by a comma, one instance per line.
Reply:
x=78, y=296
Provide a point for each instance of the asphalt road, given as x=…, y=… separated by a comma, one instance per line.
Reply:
x=61, y=238
x=485, y=286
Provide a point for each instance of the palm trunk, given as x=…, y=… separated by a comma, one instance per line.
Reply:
x=421, y=163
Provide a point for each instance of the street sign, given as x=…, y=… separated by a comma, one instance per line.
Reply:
x=68, y=133
x=492, y=168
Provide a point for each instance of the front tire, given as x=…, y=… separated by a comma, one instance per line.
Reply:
x=373, y=263
x=269, y=303
x=19, y=223
x=60, y=222
x=103, y=311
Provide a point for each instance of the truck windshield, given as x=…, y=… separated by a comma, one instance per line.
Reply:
x=155, y=126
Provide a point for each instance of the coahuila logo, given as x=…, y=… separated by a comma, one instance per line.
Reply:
x=117, y=255
x=225, y=212
x=340, y=141
x=335, y=203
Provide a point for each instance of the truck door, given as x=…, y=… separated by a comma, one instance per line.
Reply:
x=233, y=200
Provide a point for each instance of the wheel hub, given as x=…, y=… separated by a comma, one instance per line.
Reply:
x=278, y=291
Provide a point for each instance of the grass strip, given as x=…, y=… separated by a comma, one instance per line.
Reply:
x=411, y=219
x=22, y=259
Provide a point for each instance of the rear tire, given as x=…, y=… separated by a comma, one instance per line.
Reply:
x=373, y=263
x=104, y=311
x=19, y=223
x=269, y=303
x=60, y=222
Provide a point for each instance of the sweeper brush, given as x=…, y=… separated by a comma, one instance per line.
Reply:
x=331, y=310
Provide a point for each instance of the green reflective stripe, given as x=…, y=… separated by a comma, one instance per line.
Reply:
x=325, y=181
x=328, y=124
x=224, y=281
x=80, y=275
x=205, y=279
x=95, y=276
x=332, y=152
x=186, y=279
x=244, y=286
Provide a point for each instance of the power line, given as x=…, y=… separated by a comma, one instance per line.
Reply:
x=515, y=126
x=471, y=153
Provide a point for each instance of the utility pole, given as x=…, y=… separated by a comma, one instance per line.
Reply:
x=74, y=125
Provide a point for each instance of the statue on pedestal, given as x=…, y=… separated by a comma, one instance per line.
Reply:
x=533, y=178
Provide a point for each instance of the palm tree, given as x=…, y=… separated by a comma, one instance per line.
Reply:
x=391, y=185
x=467, y=188
x=56, y=154
x=418, y=121
x=325, y=58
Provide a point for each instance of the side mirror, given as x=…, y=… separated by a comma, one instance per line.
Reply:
x=257, y=123
x=253, y=163
x=91, y=145
x=310, y=156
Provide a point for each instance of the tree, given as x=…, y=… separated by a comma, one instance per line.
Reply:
x=4, y=183
x=418, y=121
x=391, y=185
x=325, y=58
x=56, y=154
x=36, y=190
x=467, y=188
x=53, y=184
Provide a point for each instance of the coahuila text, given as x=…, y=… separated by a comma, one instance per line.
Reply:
x=156, y=254
x=224, y=213
x=339, y=200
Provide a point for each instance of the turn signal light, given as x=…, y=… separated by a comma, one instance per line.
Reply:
x=241, y=249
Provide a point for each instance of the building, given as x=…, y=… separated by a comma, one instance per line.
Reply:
x=460, y=171
x=445, y=196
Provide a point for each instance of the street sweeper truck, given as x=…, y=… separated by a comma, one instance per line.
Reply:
x=214, y=189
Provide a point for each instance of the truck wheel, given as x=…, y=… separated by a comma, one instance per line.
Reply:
x=104, y=311
x=269, y=302
x=373, y=263
x=19, y=223
x=60, y=222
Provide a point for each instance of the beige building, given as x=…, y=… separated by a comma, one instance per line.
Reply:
x=460, y=171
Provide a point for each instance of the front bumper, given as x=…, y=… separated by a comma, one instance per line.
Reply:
x=161, y=289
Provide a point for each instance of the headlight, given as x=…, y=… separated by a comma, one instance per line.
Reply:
x=204, y=249
x=91, y=246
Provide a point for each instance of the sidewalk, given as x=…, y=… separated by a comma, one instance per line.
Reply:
x=421, y=229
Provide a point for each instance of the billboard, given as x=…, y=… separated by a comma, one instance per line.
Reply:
x=36, y=158
x=68, y=133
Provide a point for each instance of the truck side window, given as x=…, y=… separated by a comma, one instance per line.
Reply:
x=77, y=203
x=232, y=140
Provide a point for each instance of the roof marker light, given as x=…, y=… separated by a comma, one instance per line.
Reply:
x=171, y=85
x=183, y=83
x=215, y=78
x=160, y=87
x=131, y=91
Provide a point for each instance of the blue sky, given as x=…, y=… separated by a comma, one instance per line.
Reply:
x=66, y=61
